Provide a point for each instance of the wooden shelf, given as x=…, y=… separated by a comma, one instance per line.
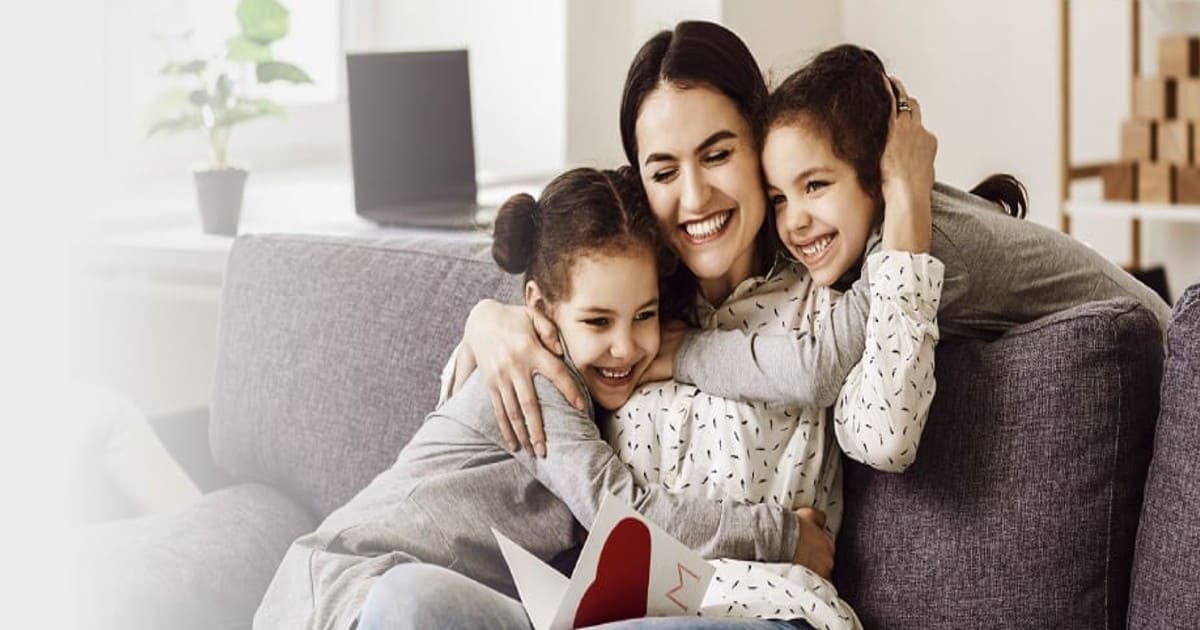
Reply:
x=1080, y=209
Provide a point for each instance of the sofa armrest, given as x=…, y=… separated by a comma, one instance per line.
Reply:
x=206, y=566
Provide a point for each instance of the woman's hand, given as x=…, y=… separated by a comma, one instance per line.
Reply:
x=815, y=547
x=907, y=174
x=663, y=366
x=509, y=345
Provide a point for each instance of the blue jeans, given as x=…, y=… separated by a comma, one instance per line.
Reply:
x=428, y=596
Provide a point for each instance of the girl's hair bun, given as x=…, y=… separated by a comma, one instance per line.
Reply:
x=515, y=233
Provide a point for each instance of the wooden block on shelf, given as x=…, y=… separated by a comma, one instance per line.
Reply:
x=1156, y=182
x=1187, y=99
x=1120, y=181
x=1187, y=184
x=1154, y=98
x=1175, y=142
x=1139, y=140
x=1179, y=56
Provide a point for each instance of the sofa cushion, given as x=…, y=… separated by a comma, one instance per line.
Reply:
x=330, y=350
x=1022, y=506
x=1166, y=566
x=198, y=568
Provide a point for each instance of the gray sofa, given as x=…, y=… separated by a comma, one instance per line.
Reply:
x=1025, y=507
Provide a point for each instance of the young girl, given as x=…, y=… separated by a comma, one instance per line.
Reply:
x=415, y=548
x=826, y=129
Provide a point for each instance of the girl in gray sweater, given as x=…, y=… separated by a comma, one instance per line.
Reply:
x=415, y=548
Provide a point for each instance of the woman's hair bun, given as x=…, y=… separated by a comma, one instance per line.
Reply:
x=515, y=233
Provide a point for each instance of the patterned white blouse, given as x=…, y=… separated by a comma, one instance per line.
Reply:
x=689, y=441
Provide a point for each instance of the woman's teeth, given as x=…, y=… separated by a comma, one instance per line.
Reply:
x=817, y=247
x=703, y=229
x=615, y=374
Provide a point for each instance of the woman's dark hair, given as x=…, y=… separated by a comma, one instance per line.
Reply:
x=841, y=93
x=582, y=211
x=690, y=55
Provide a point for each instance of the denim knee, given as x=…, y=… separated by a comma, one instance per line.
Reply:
x=407, y=596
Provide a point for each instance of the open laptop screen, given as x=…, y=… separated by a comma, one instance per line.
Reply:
x=411, y=140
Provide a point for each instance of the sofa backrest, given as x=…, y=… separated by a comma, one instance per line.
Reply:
x=1166, y=568
x=1022, y=506
x=330, y=350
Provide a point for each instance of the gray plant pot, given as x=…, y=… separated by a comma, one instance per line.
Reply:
x=219, y=194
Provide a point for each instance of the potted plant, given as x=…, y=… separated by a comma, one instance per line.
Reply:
x=218, y=92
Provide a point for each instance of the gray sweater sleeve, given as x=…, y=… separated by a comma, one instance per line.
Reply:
x=581, y=469
x=805, y=370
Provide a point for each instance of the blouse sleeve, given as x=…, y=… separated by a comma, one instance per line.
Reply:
x=883, y=405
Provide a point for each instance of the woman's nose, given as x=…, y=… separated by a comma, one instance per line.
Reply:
x=695, y=193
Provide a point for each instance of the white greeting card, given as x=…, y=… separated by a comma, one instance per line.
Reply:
x=629, y=568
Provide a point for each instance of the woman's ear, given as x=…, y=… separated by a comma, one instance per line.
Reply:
x=535, y=299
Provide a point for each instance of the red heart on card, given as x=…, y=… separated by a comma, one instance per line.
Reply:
x=622, y=577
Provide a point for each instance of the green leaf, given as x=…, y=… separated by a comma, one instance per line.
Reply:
x=241, y=48
x=263, y=21
x=199, y=98
x=185, y=122
x=195, y=66
x=269, y=71
x=169, y=104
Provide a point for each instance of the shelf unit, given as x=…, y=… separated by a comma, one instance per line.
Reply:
x=1070, y=210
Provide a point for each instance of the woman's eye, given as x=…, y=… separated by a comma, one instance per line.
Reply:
x=815, y=185
x=663, y=175
x=645, y=315
x=718, y=156
x=597, y=322
x=777, y=200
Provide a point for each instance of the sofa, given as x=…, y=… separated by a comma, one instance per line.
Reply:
x=1057, y=486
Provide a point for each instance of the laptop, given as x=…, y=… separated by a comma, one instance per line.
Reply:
x=411, y=142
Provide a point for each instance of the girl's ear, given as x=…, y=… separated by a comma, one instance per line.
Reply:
x=535, y=299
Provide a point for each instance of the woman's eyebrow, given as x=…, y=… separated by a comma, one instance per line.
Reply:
x=716, y=137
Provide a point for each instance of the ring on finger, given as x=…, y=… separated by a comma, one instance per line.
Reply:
x=903, y=106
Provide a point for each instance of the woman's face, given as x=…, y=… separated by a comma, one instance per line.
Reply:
x=610, y=323
x=822, y=213
x=700, y=168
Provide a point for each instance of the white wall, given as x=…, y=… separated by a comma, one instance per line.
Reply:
x=987, y=77
x=518, y=71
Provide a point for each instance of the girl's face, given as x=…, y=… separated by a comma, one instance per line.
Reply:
x=700, y=169
x=822, y=213
x=610, y=323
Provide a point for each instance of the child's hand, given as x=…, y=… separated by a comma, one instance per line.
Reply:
x=814, y=549
x=906, y=169
x=663, y=365
x=509, y=345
